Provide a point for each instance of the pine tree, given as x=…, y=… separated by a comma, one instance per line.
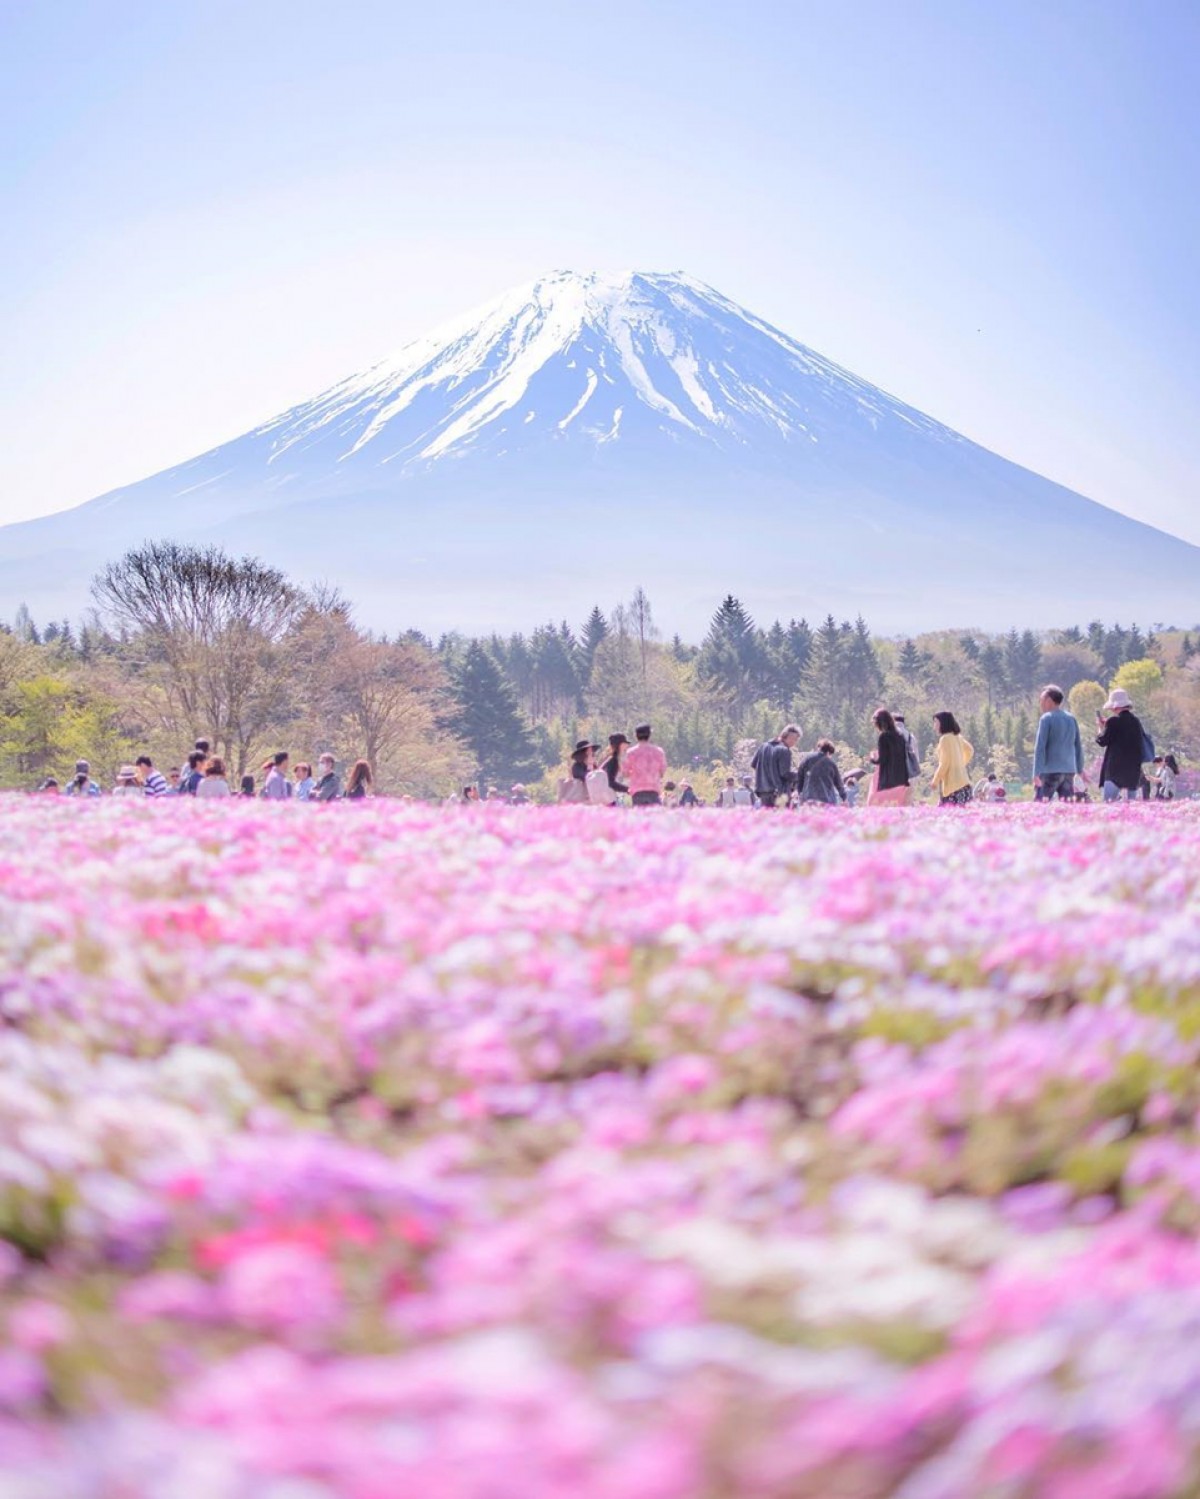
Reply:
x=863, y=675
x=823, y=679
x=594, y=630
x=909, y=661
x=490, y=723
x=731, y=658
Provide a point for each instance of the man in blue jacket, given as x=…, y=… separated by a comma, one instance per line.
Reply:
x=1058, y=753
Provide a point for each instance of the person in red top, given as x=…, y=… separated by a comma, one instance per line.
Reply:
x=644, y=767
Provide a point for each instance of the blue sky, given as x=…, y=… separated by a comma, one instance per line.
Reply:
x=213, y=211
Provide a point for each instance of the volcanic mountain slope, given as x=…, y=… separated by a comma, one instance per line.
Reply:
x=588, y=433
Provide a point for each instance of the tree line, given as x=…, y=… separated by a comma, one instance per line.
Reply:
x=183, y=640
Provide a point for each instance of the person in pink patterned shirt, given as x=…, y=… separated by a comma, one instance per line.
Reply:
x=644, y=767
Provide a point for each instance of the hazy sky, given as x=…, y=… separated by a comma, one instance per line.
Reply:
x=213, y=210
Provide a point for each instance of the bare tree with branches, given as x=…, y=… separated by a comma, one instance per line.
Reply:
x=212, y=627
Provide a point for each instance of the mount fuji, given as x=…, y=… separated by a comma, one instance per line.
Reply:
x=585, y=434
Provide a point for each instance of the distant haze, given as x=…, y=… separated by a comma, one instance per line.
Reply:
x=589, y=433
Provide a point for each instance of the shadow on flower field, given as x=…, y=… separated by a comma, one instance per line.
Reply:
x=522, y=1153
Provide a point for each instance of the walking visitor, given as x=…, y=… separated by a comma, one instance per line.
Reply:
x=818, y=778
x=951, y=780
x=644, y=768
x=772, y=764
x=1058, y=752
x=1123, y=741
x=890, y=780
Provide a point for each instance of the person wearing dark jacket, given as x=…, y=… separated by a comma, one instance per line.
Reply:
x=891, y=782
x=818, y=779
x=1123, y=740
x=328, y=787
x=772, y=764
x=611, y=765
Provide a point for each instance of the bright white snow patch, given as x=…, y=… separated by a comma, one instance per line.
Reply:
x=587, y=395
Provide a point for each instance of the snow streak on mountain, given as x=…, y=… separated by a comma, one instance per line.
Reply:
x=585, y=434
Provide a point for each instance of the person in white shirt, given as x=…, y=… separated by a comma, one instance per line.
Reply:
x=727, y=796
x=214, y=783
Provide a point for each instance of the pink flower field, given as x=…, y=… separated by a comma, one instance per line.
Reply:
x=516, y=1153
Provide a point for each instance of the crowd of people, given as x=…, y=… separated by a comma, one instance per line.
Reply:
x=204, y=775
x=634, y=772
x=782, y=776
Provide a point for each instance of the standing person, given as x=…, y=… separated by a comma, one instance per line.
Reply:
x=470, y=796
x=951, y=780
x=1058, y=752
x=645, y=769
x=727, y=796
x=772, y=763
x=818, y=778
x=851, y=782
x=359, y=783
x=618, y=744
x=743, y=795
x=127, y=782
x=190, y=784
x=303, y=783
x=81, y=783
x=213, y=783
x=247, y=786
x=687, y=796
x=154, y=783
x=173, y=781
x=328, y=786
x=518, y=796
x=912, y=759
x=1122, y=739
x=890, y=782
x=277, y=787
x=573, y=786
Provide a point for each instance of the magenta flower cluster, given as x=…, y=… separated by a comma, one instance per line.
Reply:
x=519, y=1153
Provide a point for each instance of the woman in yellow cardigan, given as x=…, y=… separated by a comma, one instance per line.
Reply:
x=950, y=779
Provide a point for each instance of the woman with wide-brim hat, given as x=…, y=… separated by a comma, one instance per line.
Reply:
x=573, y=787
x=1122, y=738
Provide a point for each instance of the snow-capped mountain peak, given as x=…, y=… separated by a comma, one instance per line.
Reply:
x=594, y=359
x=584, y=434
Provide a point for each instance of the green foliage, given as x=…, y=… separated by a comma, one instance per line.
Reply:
x=490, y=722
x=1138, y=678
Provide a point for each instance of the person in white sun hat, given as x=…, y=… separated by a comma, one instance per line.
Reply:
x=1124, y=742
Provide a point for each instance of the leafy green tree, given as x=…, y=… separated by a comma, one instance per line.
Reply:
x=1085, y=700
x=1138, y=678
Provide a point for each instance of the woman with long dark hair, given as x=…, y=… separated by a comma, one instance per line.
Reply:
x=889, y=784
x=950, y=779
x=358, y=784
x=573, y=786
